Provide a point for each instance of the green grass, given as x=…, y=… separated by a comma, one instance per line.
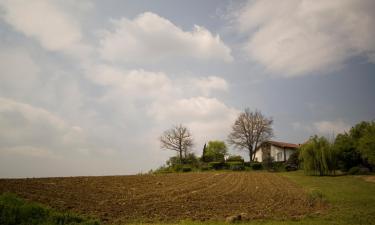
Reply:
x=15, y=211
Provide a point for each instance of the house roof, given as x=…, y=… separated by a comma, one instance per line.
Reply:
x=283, y=144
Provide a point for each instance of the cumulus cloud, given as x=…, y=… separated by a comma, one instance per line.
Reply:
x=152, y=101
x=331, y=127
x=26, y=129
x=296, y=37
x=46, y=22
x=206, y=85
x=18, y=71
x=149, y=38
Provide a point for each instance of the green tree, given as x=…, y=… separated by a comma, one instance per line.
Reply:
x=357, y=147
x=215, y=151
x=347, y=154
x=318, y=156
x=366, y=144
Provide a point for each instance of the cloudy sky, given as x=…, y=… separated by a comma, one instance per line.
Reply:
x=87, y=87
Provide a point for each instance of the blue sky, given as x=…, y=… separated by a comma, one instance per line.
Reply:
x=87, y=87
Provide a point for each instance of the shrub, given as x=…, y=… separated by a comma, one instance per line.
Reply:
x=247, y=164
x=356, y=170
x=268, y=163
x=15, y=211
x=236, y=166
x=256, y=166
x=186, y=169
x=205, y=167
x=291, y=167
x=293, y=162
x=235, y=158
x=218, y=165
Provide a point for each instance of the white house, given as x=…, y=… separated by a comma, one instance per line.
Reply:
x=280, y=151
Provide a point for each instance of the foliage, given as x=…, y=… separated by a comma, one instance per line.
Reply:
x=203, y=158
x=293, y=162
x=235, y=158
x=268, y=163
x=15, y=211
x=249, y=130
x=348, y=156
x=186, y=169
x=256, y=166
x=318, y=157
x=218, y=165
x=356, y=148
x=366, y=144
x=236, y=166
x=192, y=160
x=358, y=170
x=215, y=151
x=178, y=139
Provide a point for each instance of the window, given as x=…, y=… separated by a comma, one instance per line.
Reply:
x=279, y=156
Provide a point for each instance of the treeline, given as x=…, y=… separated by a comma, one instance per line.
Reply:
x=249, y=130
x=215, y=157
x=352, y=152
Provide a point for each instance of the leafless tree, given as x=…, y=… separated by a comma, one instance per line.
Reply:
x=249, y=130
x=178, y=139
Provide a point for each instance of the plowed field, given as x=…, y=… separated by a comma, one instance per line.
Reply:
x=169, y=197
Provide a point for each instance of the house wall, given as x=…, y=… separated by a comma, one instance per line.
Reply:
x=276, y=152
x=258, y=155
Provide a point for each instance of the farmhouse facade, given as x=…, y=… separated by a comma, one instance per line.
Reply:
x=279, y=151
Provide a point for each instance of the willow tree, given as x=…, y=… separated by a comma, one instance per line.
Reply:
x=249, y=130
x=178, y=139
x=318, y=156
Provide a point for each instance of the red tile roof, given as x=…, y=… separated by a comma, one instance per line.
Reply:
x=283, y=144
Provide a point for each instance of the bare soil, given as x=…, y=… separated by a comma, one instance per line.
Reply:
x=170, y=197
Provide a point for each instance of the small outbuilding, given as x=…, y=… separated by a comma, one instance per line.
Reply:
x=279, y=151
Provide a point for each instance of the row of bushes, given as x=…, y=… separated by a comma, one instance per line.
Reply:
x=231, y=165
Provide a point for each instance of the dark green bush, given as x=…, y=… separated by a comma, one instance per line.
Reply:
x=218, y=165
x=256, y=166
x=356, y=170
x=293, y=162
x=204, y=167
x=186, y=169
x=236, y=166
x=235, y=158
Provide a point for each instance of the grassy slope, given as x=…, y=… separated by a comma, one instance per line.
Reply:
x=16, y=211
x=352, y=201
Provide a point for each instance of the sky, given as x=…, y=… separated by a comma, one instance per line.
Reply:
x=87, y=87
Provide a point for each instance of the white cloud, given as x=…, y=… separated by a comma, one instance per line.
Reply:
x=35, y=131
x=49, y=23
x=206, y=85
x=331, y=127
x=208, y=118
x=152, y=101
x=133, y=83
x=296, y=37
x=18, y=70
x=150, y=38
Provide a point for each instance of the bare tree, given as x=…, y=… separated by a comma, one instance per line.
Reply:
x=249, y=130
x=178, y=139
